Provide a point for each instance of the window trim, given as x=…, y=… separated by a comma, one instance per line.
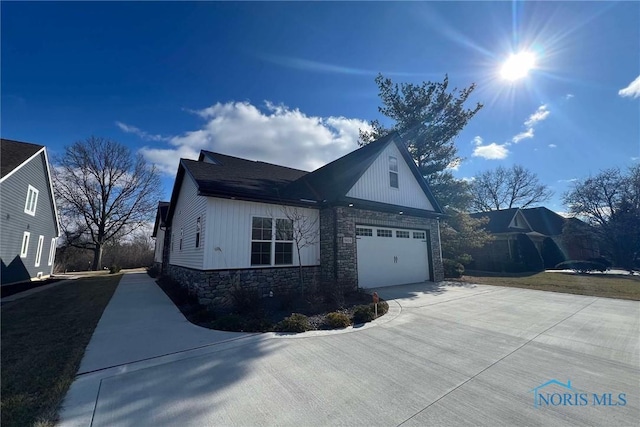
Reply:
x=52, y=251
x=24, y=249
x=31, y=202
x=273, y=242
x=39, y=250
x=393, y=172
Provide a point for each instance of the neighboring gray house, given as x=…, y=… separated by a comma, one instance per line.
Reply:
x=28, y=217
x=373, y=215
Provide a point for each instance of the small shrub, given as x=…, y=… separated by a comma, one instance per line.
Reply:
x=153, y=271
x=452, y=269
x=337, y=320
x=244, y=300
x=551, y=253
x=229, y=322
x=581, y=266
x=295, y=323
x=383, y=307
x=363, y=314
x=602, y=260
x=114, y=269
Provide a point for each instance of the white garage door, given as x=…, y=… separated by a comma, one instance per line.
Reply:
x=389, y=256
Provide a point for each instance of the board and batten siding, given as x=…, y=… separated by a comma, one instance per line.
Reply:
x=228, y=235
x=14, y=221
x=374, y=184
x=189, y=207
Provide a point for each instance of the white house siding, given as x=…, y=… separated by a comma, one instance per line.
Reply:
x=188, y=208
x=228, y=235
x=374, y=184
x=157, y=255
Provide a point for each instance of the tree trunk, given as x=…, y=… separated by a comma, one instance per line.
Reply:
x=97, y=258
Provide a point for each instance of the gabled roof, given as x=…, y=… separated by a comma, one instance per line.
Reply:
x=540, y=219
x=498, y=220
x=161, y=216
x=233, y=177
x=544, y=221
x=15, y=153
x=333, y=181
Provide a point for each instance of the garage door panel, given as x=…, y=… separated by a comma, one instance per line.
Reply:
x=389, y=256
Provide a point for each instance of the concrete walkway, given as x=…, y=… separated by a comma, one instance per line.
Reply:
x=140, y=326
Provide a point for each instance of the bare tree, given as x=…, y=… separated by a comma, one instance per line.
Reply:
x=104, y=191
x=610, y=202
x=504, y=188
x=303, y=230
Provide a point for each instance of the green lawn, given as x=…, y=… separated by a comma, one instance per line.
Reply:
x=43, y=340
x=598, y=285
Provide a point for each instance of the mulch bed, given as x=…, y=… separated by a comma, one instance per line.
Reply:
x=272, y=310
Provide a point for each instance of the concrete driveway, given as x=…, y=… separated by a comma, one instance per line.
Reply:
x=445, y=355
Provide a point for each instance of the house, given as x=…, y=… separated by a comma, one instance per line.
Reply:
x=159, y=228
x=370, y=217
x=29, y=225
x=543, y=228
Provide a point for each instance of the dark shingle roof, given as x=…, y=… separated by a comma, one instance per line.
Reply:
x=15, y=153
x=227, y=176
x=161, y=216
x=233, y=176
x=498, y=220
x=544, y=221
x=541, y=220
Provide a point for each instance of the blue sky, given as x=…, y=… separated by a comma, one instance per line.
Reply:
x=291, y=83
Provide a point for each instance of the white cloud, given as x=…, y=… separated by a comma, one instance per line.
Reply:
x=523, y=135
x=477, y=140
x=540, y=114
x=276, y=134
x=468, y=179
x=633, y=90
x=140, y=133
x=552, y=145
x=454, y=165
x=568, y=180
x=568, y=96
x=492, y=151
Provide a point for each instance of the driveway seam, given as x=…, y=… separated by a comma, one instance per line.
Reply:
x=495, y=363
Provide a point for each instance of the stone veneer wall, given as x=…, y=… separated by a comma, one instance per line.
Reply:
x=213, y=286
x=339, y=256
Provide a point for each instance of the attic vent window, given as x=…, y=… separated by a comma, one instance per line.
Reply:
x=393, y=172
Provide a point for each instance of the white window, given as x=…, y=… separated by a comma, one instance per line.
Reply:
x=39, y=250
x=32, y=201
x=25, y=244
x=271, y=241
x=419, y=235
x=393, y=172
x=52, y=251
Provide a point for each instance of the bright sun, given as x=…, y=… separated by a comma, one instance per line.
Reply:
x=518, y=66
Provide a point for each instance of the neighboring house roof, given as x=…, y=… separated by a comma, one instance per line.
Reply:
x=161, y=216
x=15, y=154
x=227, y=176
x=540, y=220
x=498, y=220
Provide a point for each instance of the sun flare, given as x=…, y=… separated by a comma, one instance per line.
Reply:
x=517, y=66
